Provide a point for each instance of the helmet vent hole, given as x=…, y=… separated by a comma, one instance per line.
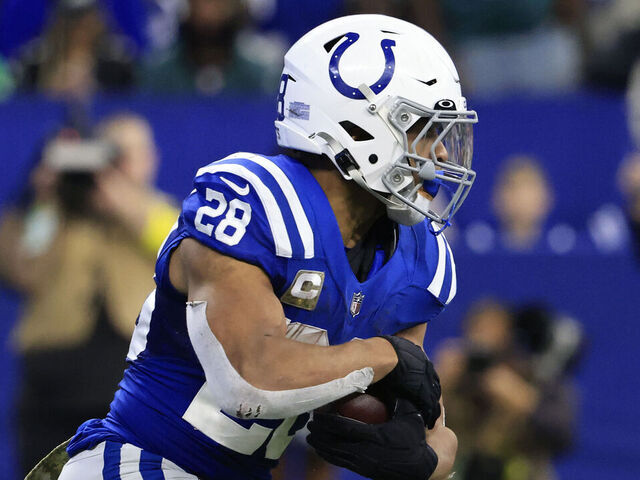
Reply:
x=389, y=31
x=331, y=43
x=428, y=83
x=373, y=159
x=358, y=134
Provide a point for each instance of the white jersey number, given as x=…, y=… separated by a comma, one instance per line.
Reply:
x=204, y=415
x=232, y=227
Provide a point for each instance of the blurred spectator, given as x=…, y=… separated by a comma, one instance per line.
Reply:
x=507, y=391
x=501, y=46
x=81, y=248
x=504, y=46
x=6, y=81
x=125, y=194
x=522, y=201
x=629, y=171
x=293, y=18
x=163, y=22
x=23, y=20
x=76, y=55
x=394, y=8
x=215, y=51
x=425, y=13
x=612, y=42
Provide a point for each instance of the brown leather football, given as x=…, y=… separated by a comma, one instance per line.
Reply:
x=363, y=407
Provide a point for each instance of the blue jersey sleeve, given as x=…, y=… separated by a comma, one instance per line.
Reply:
x=231, y=211
x=435, y=267
x=433, y=282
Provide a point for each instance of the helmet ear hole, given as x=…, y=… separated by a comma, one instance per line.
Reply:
x=373, y=159
x=356, y=132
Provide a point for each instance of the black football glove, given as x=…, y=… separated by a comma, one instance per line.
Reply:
x=394, y=450
x=414, y=378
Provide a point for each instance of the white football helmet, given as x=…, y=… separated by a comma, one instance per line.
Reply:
x=352, y=88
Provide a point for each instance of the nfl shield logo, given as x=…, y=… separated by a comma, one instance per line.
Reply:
x=356, y=303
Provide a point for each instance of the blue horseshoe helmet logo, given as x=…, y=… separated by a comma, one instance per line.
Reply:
x=346, y=89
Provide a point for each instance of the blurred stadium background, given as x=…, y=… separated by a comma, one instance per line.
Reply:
x=548, y=81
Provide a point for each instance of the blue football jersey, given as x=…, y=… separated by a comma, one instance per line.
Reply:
x=270, y=212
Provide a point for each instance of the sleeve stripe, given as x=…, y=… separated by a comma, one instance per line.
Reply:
x=139, y=337
x=173, y=229
x=271, y=208
x=304, y=228
x=454, y=282
x=435, y=287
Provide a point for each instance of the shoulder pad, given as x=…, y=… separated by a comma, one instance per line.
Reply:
x=246, y=207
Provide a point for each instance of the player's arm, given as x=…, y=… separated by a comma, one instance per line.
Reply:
x=398, y=448
x=440, y=438
x=247, y=320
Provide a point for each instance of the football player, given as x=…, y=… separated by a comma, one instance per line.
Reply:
x=293, y=280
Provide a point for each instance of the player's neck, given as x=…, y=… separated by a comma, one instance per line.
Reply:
x=355, y=209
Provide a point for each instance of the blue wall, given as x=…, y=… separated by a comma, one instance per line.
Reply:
x=581, y=139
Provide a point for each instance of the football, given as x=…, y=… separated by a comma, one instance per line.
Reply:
x=363, y=407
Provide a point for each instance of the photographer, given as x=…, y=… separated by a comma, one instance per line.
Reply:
x=629, y=169
x=80, y=246
x=508, y=395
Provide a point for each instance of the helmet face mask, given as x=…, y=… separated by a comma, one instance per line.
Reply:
x=450, y=129
x=390, y=131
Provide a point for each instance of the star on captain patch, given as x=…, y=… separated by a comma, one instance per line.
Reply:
x=356, y=303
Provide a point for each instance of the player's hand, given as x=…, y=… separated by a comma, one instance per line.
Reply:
x=414, y=378
x=394, y=450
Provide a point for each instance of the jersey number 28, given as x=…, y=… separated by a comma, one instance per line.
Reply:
x=232, y=227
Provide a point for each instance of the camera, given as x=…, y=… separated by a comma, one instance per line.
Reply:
x=479, y=360
x=76, y=162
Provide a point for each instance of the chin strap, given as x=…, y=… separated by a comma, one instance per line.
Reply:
x=348, y=165
x=343, y=158
x=359, y=179
x=401, y=213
